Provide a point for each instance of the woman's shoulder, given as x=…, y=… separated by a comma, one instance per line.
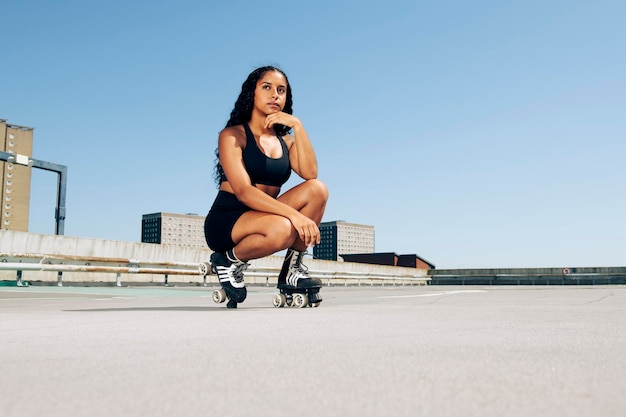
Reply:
x=234, y=132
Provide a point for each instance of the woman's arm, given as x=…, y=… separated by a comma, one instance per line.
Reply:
x=301, y=154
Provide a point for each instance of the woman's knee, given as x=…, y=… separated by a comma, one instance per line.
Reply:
x=318, y=189
x=283, y=234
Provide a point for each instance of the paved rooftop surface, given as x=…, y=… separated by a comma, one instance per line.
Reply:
x=367, y=351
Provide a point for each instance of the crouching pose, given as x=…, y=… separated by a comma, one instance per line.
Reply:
x=249, y=219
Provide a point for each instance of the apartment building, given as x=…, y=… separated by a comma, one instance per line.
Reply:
x=15, y=193
x=340, y=237
x=174, y=229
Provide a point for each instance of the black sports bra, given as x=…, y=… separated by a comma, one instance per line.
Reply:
x=261, y=168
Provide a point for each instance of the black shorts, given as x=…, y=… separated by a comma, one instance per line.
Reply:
x=219, y=223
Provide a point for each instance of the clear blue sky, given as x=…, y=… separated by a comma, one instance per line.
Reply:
x=475, y=134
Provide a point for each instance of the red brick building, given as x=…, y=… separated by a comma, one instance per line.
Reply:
x=389, y=258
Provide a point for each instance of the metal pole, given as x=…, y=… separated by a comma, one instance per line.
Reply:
x=61, y=170
x=59, y=213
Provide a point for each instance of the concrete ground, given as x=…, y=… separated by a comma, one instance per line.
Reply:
x=367, y=351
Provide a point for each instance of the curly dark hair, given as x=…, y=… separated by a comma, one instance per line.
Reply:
x=242, y=112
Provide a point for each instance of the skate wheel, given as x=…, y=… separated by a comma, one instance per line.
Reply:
x=317, y=304
x=279, y=300
x=204, y=268
x=300, y=300
x=219, y=296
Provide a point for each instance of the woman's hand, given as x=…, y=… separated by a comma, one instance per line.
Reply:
x=281, y=118
x=307, y=229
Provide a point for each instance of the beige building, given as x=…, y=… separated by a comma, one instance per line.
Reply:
x=15, y=177
x=340, y=237
x=174, y=229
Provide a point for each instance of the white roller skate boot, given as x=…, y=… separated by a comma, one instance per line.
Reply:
x=295, y=284
x=229, y=270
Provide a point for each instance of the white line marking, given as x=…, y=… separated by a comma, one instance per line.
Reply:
x=434, y=294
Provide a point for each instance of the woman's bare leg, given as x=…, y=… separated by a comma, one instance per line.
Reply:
x=261, y=234
x=309, y=198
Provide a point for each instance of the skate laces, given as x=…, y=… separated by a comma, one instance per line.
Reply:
x=301, y=270
x=238, y=271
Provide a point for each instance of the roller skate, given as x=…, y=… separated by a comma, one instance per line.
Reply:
x=295, y=285
x=229, y=271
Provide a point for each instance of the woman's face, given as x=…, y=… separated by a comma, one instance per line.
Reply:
x=270, y=93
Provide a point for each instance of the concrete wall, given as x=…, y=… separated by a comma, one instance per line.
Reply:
x=263, y=270
x=530, y=276
x=14, y=242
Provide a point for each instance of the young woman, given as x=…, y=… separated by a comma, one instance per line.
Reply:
x=249, y=218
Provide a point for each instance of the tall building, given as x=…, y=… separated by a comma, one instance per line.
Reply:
x=340, y=237
x=15, y=193
x=174, y=229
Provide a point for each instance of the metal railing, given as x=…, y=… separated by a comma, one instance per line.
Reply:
x=337, y=277
x=69, y=263
x=254, y=275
